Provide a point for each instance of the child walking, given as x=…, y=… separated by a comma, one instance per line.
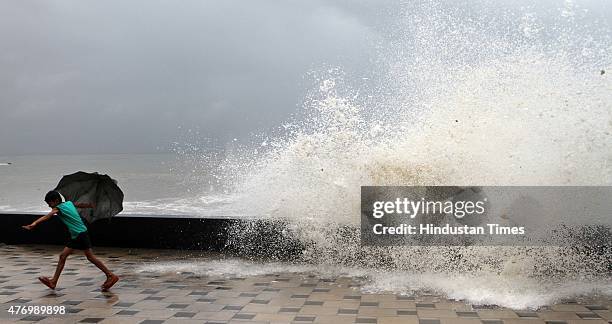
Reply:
x=79, y=238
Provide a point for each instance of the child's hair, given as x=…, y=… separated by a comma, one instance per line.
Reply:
x=52, y=196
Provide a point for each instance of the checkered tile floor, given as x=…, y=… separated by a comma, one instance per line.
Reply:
x=276, y=298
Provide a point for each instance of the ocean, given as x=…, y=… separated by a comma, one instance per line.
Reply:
x=153, y=184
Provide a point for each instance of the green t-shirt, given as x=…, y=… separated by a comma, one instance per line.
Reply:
x=70, y=216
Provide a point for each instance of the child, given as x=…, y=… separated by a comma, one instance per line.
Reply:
x=79, y=238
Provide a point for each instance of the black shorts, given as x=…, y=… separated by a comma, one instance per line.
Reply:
x=81, y=242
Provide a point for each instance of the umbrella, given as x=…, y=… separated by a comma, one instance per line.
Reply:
x=98, y=189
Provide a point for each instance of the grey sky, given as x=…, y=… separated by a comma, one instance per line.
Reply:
x=123, y=76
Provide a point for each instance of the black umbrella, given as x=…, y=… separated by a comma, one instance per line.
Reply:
x=98, y=189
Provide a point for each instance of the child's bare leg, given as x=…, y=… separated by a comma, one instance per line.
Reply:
x=58, y=270
x=92, y=258
x=111, y=278
x=60, y=264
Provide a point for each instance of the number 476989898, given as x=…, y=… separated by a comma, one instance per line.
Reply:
x=37, y=310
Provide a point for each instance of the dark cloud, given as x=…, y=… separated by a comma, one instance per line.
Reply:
x=116, y=76
x=123, y=76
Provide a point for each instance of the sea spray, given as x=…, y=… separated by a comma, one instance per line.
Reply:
x=496, y=96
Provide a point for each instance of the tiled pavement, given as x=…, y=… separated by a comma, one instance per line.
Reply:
x=274, y=298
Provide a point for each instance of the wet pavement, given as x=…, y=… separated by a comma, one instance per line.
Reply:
x=148, y=297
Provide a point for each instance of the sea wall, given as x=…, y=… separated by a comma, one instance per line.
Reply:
x=228, y=235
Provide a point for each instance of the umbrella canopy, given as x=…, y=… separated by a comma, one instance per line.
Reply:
x=98, y=189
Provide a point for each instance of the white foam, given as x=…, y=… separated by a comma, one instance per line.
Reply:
x=201, y=206
x=513, y=291
x=517, y=292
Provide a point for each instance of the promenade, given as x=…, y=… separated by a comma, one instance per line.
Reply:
x=151, y=297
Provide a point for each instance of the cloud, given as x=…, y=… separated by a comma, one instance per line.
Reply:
x=117, y=76
x=131, y=76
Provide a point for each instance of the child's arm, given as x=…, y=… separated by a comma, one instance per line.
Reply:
x=40, y=220
x=84, y=205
